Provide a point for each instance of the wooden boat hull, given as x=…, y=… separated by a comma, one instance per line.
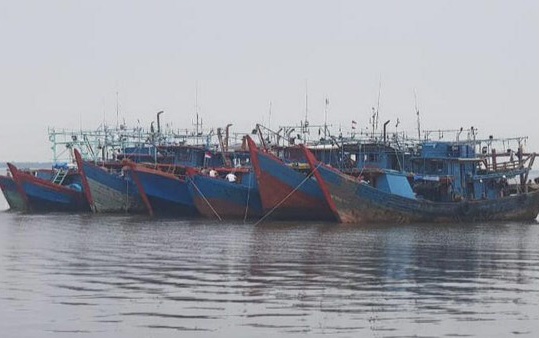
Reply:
x=286, y=193
x=218, y=198
x=109, y=192
x=357, y=202
x=166, y=194
x=13, y=197
x=44, y=196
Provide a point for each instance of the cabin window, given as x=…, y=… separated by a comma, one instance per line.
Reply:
x=295, y=155
x=435, y=167
x=184, y=156
x=372, y=158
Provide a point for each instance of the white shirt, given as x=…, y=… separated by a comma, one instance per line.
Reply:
x=213, y=173
x=231, y=177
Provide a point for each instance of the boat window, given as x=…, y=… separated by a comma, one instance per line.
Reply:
x=372, y=158
x=434, y=166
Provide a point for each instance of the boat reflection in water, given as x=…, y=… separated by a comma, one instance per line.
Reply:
x=117, y=275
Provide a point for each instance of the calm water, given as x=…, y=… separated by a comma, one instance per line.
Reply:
x=121, y=276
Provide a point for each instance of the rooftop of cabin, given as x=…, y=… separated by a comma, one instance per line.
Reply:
x=447, y=150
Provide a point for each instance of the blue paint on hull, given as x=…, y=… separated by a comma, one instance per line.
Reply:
x=229, y=200
x=167, y=195
x=112, y=192
x=358, y=202
x=42, y=198
x=12, y=195
x=290, y=177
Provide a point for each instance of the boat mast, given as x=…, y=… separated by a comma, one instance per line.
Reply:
x=374, y=121
x=198, y=123
x=418, y=119
x=373, y=118
x=196, y=109
x=326, y=107
x=306, y=122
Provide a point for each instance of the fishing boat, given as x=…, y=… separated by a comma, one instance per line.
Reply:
x=60, y=191
x=108, y=187
x=219, y=198
x=183, y=187
x=389, y=197
x=163, y=188
x=11, y=194
x=287, y=192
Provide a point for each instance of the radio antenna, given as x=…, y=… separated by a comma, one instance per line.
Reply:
x=418, y=118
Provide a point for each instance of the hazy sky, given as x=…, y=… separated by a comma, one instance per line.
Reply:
x=471, y=62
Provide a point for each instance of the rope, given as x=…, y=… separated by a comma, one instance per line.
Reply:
x=205, y=199
x=248, y=196
x=289, y=194
x=126, y=208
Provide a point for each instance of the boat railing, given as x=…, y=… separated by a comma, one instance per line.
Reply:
x=171, y=169
x=503, y=166
x=511, y=164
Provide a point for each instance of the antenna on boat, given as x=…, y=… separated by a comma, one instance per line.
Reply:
x=196, y=107
x=326, y=108
x=198, y=123
x=418, y=119
x=306, y=122
x=374, y=117
x=372, y=121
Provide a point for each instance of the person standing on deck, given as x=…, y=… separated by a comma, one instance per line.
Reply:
x=231, y=177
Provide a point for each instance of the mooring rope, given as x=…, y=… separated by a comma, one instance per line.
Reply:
x=126, y=208
x=205, y=199
x=287, y=196
x=248, y=196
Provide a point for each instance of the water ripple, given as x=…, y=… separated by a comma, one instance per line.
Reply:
x=129, y=276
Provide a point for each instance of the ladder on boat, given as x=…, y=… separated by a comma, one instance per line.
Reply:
x=59, y=177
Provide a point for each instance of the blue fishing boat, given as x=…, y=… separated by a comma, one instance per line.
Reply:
x=286, y=191
x=108, y=187
x=165, y=189
x=163, y=186
x=213, y=197
x=60, y=192
x=389, y=197
x=12, y=195
x=218, y=197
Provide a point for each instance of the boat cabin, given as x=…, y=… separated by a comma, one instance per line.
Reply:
x=453, y=171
